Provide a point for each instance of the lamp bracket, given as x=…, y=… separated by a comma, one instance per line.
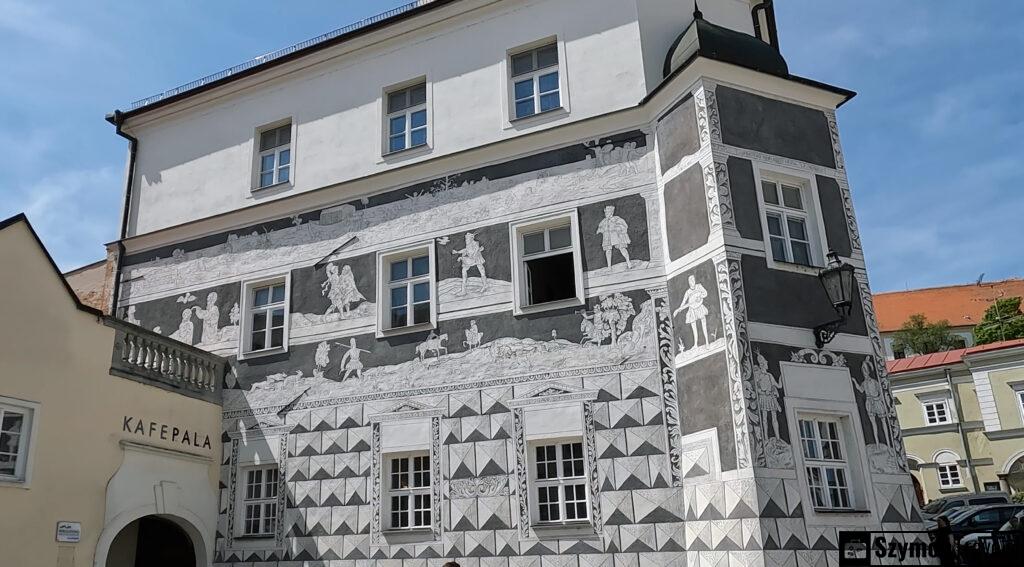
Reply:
x=823, y=334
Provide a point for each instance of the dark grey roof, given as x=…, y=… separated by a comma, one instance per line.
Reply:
x=731, y=46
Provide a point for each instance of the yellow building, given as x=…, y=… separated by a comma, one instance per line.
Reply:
x=962, y=415
x=109, y=434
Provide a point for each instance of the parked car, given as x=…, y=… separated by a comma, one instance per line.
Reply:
x=944, y=505
x=982, y=518
x=1006, y=541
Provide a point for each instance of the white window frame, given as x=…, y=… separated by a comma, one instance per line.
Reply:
x=821, y=464
x=384, y=286
x=813, y=222
x=509, y=93
x=258, y=155
x=261, y=502
x=245, y=339
x=426, y=106
x=946, y=470
x=931, y=405
x=412, y=492
x=1018, y=393
x=520, y=289
x=26, y=443
x=580, y=482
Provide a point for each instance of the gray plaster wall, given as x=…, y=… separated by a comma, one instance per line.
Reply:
x=833, y=214
x=774, y=127
x=782, y=297
x=678, y=134
x=704, y=403
x=686, y=213
x=744, y=198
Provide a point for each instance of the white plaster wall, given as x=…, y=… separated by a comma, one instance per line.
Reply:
x=198, y=162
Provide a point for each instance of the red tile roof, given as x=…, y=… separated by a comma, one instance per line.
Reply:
x=961, y=305
x=945, y=358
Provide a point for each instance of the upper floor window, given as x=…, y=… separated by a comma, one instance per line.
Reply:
x=275, y=155
x=936, y=411
x=559, y=482
x=548, y=264
x=1018, y=391
x=408, y=499
x=265, y=324
x=407, y=284
x=15, y=424
x=825, y=463
x=948, y=470
x=259, y=502
x=788, y=218
x=407, y=118
x=536, y=86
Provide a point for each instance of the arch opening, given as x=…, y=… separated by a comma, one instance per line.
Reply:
x=152, y=541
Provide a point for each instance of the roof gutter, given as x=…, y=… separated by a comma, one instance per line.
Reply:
x=117, y=118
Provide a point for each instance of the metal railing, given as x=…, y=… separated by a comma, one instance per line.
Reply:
x=151, y=358
x=273, y=55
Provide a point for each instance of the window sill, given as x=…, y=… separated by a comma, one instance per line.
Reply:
x=550, y=306
x=388, y=333
x=539, y=117
x=261, y=353
x=562, y=525
x=407, y=531
x=407, y=153
x=269, y=188
x=841, y=511
x=254, y=537
x=793, y=267
x=10, y=482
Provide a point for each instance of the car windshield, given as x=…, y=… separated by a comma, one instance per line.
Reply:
x=933, y=507
x=960, y=513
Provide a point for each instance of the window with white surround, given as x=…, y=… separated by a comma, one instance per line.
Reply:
x=407, y=286
x=259, y=502
x=535, y=80
x=407, y=118
x=559, y=482
x=15, y=427
x=1018, y=393
x=408, y=501
x=821, y=443
x=792, y=227
x=948, y=470
x=936, y=411
x=548, y=267
x=274, y=160
x=265, y=316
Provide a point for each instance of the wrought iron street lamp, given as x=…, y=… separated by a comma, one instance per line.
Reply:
x=837, y=279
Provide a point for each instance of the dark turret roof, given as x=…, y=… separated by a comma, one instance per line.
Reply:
x=729, y=46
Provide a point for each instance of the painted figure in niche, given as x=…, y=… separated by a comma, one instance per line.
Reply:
x=130, y=316
x=473, y=336
x=350, y=363
x=185, y=328
x=472, y=256
x=614, y=235
x=340, y=289
x=767, y=396
x=874, y=404
x=210, y=318
x=696, y=311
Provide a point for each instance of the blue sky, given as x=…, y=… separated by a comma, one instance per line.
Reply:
x=934, y=142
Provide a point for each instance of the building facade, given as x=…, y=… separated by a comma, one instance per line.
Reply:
x=962, y=306
x=962, y=414
x=100, y=446
x=545, y=301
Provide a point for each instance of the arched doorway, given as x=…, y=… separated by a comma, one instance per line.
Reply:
x=152, y=541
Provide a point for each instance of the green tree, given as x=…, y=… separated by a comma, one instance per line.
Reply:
x=1003, y=321
x=918, y=336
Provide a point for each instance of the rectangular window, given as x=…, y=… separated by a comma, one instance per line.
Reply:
x=266, y=316
x=936, y=412
x=548, y=262
x=559, y=483
x=275, y=155
x=407, y=118
x=408, y=286
x=788, y=221
x=408, y=498
x=949, y=476
x=825, y=463
x=535, y=81
x=259, y=503
x=1019, y=393
x=14, y=440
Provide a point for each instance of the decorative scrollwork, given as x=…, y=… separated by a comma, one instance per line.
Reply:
x=734, y=318
x=670, y=402
x=822, y=357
